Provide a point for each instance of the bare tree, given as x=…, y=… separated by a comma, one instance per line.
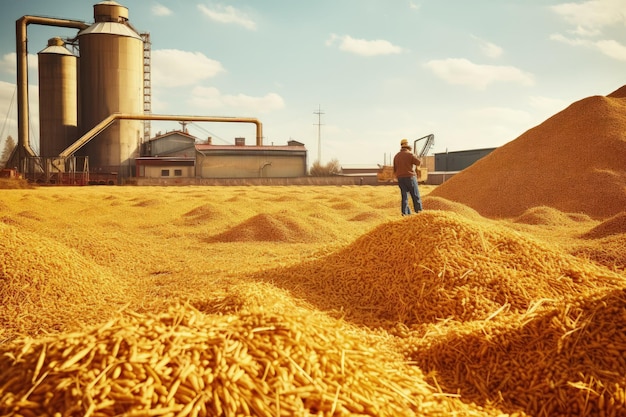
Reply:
x=331, y=168
x=9, y=145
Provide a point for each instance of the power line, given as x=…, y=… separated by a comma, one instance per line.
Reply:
x=319, y=133
x=205, y=131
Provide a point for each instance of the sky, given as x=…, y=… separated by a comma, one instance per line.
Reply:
x=350, y=78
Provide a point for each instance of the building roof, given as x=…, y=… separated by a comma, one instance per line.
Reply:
x=112, y=28
x=173, y=133
x=204, y=147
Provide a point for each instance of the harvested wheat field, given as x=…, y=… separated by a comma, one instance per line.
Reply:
x=322, y=300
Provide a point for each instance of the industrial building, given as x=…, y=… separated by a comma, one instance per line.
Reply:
x=95, y=113
x=459, y=160
x=179, y=155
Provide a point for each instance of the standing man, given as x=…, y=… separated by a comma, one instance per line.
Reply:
x=404, y=164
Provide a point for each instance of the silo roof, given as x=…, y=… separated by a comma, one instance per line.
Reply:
x=110, y=28
x=55, y=49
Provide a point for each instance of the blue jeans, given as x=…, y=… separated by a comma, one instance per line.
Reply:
x=408, y=186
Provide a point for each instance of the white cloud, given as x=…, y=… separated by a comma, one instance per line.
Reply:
x=499, y=115
x=610, y=48
x=464, y=72
x=589, y=18
x=593, y=13
x=570, y=41
x=212, y=98
x=414, y=6
x=160, y=10
x=490, y=126
x=228, y=14
x=586, y=32
x=489, y=49
x=364, y=47
x=548, y=105
x=8, y=108
x=175, y=68
x=8, y=64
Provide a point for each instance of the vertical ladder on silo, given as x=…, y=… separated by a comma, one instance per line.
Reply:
x=147, y=88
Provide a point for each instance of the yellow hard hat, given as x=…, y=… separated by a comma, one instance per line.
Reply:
x=404, y=142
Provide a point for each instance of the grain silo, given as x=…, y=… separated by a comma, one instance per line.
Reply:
x=58, y=117
x=111, y=81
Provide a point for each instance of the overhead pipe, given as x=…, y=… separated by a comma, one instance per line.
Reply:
x=21, y=39
x=93, y=132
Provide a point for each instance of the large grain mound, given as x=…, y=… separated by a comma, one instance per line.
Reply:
x=566, y=361
x=439, y=265
x=182, y=362
x=561, y=163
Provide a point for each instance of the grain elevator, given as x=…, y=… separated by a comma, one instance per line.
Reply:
x=94, y=95
x=111, y=80
x=78, y=90
x=58, y=98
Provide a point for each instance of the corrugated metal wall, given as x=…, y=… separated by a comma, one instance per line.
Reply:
x=459, y=160
x=251, y=166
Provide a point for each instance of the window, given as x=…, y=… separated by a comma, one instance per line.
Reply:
x=178, y=172
x=165, y=172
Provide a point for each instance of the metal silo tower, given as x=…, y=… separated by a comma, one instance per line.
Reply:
x=111, y=81
x=58, y=97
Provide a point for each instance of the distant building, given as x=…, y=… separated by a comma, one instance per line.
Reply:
x=370, y=170
x=365, y=174
x=459, y=160
x=176, y=143
x=171, y=155
x=176, y=154
x=243, y=161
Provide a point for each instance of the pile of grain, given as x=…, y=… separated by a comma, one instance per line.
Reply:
x=278, y=227
x=203, y=214
x=47, y=286
x=499, y=313
x=561, y=163
x=70, y=256
x=436, y=266
x=437, y=203
x=184, y=363
x=548, y=216
x=605, y=243
x=608, y=251
x=569, y=360
x=613, y=226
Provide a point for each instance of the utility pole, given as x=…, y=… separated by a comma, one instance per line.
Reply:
x=319, y=133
